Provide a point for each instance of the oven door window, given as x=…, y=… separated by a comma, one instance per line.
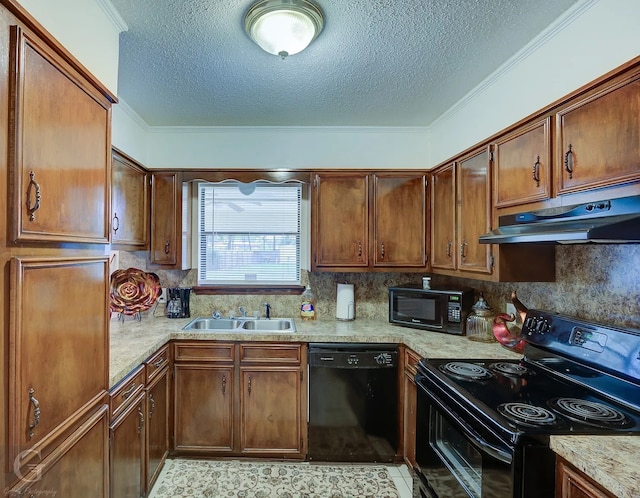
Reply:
x=462, y=459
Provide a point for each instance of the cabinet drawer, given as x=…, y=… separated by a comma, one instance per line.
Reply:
x=290, y=354
x=411, y=359
x=156, y=363
x=203, y=351
x=125, y=392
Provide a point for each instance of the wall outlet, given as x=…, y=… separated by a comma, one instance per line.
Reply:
x=511, y=309
x=163, y=297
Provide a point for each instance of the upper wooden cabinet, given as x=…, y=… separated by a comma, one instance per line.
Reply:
x=166, y=219
x=461, y=212
x=443, y=213
x=522, y=165
x=598, y=137
x=129, y=203
x=399, y=220
x=369, y=222
x=59, y=147
x=340, y=214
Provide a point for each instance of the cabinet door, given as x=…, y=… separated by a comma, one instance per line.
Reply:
x=78, y=467
x=166, y=214
x=474, y=212
x=599, y=138
x=58, y=353
x=129, y=203
x=60, y=148
x=203, y=408
x=128, y=451
x=157, y=426
x=400, y=223
x=443, y=218
x=409, y=406
x=571, y=483
x=522, y=165
x=272, y=419
x=341, y=221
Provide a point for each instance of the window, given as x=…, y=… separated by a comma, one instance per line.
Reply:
x=249, y=234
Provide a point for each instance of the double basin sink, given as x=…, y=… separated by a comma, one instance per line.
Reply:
x=230, y=325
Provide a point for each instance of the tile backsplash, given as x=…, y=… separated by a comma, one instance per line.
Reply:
x=596, y=282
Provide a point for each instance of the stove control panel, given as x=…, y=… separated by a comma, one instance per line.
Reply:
x=588, y=339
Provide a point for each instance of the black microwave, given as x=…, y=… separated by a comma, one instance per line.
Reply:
x=439, y=310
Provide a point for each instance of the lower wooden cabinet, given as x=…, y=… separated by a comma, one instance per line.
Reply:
x=203, y=413
x=240, y=399
x=127, y=459
x=571, y=483
x=409, y=405
x=77, y=467
x=157, y=443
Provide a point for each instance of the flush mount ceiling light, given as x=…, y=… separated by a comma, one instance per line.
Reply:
x=283, y=27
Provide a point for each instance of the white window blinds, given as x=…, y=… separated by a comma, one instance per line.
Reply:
x=249, y=234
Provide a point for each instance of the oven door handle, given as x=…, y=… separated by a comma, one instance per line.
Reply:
x=475, y=438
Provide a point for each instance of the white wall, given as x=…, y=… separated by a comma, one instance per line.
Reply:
x=595, y=38
x=91, y=34
x=291, y=148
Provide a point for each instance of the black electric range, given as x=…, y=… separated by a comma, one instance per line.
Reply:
x=484, y=425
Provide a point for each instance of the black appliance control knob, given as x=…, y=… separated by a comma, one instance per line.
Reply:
x=383, y=359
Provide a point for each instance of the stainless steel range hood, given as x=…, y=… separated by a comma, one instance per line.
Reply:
x=615, y=221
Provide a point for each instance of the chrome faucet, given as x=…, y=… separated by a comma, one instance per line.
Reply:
x=243, y=312
x=267, y=311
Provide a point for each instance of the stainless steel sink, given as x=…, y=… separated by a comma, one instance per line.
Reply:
x=213, y=324
x=247, y=325
x=280, y=324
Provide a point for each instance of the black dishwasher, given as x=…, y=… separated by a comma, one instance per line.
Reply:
x=353, y=402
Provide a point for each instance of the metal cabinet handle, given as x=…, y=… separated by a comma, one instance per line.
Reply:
x=141, y=418
x=36, y=412
x=249, y=384
x=224, y=384
x=153, y=405
x=166, y=247
x=158, y=363
x=463, y=252
x=568, y=161
x=128, y=392
x=359, y=249
x=31, y=210
x=449, y=249
x=382, y=250
x=536, y=172
x=116, y=223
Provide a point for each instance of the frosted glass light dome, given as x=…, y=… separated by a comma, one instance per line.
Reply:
x=283, y=27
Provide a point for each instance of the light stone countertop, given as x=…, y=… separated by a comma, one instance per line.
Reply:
x=134, y=341
x=610, y=460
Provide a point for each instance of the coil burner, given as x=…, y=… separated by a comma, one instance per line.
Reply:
x=531, y=415
x=511, y=369
x=590, y=412
x=465, y=371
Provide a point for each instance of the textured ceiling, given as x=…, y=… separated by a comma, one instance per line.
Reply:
x=376, y=63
